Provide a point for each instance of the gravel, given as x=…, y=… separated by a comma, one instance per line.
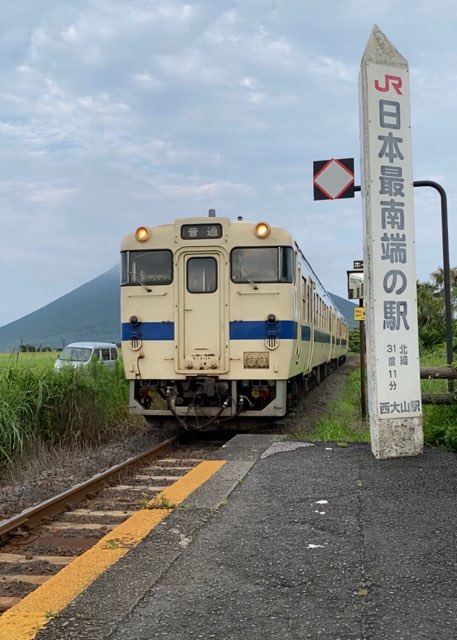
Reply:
x=46, y=472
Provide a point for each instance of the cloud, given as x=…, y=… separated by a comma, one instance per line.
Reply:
x=203, y=190
x=50, y=196
x=327, y=66
x=113, y=113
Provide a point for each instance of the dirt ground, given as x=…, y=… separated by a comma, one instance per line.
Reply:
x=48, y=472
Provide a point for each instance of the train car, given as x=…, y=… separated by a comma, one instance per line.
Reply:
x=222, y=319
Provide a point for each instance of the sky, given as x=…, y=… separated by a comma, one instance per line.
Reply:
x=117, y=114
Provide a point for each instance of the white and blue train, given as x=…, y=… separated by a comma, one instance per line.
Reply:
x=221, y=319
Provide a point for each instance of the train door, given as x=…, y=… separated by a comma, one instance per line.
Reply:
x=201, y=337
x=333, y=331
x=311, y=315
x=298, y=312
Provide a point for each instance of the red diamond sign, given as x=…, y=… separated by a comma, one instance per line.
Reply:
x=333, y=179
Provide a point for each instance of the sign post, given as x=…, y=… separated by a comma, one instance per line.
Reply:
x=390, y=272
x=355, y=290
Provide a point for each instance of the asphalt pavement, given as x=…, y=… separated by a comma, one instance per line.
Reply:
x=289, y=541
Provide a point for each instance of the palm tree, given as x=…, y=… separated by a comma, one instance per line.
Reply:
x=438, y=277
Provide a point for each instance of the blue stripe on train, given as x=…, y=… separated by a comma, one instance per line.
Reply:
x=149, y=331
x=239, y=330
x=259, y=330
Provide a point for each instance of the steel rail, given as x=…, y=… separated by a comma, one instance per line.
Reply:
x=52, y=506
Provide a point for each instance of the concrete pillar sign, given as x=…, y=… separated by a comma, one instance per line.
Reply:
x=394, y=394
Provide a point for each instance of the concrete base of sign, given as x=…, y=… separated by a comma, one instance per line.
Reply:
x=396, y=437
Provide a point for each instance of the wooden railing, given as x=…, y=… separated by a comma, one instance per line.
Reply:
x=446, y=372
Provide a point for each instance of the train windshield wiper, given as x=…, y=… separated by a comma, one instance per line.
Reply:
x=139, y=280
x=243, y=273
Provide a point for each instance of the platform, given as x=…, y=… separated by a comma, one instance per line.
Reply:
x=288, y=540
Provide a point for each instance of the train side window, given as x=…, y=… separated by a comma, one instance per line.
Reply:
x=286, y=264
x=124, y=267
x=201, y=275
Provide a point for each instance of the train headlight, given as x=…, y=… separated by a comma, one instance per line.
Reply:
x=262, y=230
x=272, y=319
x=134, y=321
x=142, y=234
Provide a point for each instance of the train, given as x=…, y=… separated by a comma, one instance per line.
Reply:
x=222, y=319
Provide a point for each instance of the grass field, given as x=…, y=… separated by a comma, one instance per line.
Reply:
x=39, y=360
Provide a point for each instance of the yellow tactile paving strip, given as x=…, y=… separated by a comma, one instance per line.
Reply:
x=23, y=621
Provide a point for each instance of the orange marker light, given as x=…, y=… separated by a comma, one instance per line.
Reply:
x=262, y=230
x=142, y=234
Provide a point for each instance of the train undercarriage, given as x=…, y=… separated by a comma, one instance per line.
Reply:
x=199, y=402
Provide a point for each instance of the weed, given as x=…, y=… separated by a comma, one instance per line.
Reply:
x=159, y=502
x=114, y=543
x=51, y=615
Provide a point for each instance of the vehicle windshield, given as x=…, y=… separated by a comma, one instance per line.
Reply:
x=152, y=267
x=75, y=354
x=262, y=264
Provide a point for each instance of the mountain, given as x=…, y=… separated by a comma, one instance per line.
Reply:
x=347, y=309
x=90, y=312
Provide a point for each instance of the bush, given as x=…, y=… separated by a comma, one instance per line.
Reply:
x=354, y=340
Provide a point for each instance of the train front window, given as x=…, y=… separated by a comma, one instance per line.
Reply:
x=262, y=264
x=201, y=275
x=147, y=268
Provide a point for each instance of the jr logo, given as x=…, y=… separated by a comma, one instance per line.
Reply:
x=395, y=81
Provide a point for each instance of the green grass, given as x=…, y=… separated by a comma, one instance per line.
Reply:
x=39, y=360
x=343, y=424
x=440, y=421
x=83, y=405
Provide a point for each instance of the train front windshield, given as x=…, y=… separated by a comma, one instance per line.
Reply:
x=150, y=267
x=262, y=264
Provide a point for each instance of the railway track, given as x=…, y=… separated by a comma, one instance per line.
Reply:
x=41, y=540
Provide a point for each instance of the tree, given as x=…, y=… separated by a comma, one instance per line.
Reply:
x=26, y=348
x=430, y=306
x=438, y=277
x=430, y=314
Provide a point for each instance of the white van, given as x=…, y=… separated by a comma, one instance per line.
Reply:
x=79, y=354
